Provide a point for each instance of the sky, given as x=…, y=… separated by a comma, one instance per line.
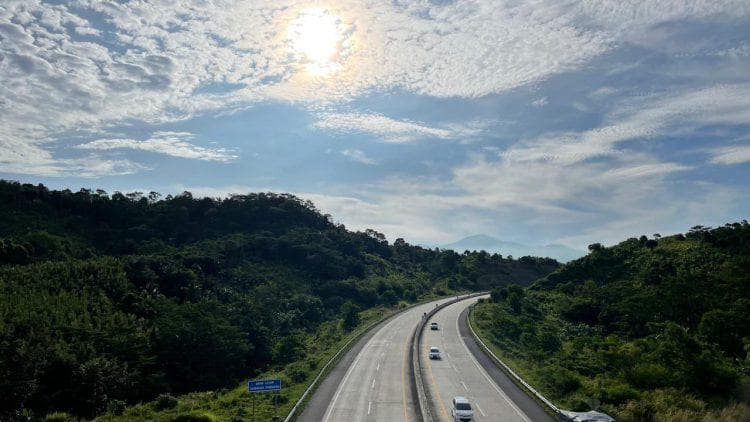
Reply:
x=541, y=121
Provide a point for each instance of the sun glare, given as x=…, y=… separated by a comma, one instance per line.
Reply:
x=315, y=38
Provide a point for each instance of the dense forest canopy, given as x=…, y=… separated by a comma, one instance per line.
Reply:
x=650, y=329
x=122, y=297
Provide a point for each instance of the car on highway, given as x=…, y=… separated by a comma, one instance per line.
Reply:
x=461, y=410
x=435, y=353
x=434, y=326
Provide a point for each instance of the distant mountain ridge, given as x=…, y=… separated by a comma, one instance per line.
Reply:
x=491, y=244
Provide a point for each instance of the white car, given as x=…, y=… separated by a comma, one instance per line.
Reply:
x=435, y=353
x=461, y=410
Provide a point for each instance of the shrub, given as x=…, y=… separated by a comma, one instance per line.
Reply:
x=116, y=407
x=296, y=372
x=617, y=393
x=648, y=375
x=288, y=349
x=59, y=417
x=195, y=417
x=561, y=381
x=165, y=402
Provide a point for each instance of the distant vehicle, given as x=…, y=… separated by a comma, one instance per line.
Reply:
x=435, y=353
x=434, y=326
x=461, y=411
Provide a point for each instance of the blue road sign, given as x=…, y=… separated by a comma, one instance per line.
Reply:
x=260, y=386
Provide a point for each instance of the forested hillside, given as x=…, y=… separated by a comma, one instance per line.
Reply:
x=113, y=299
x=648, y=330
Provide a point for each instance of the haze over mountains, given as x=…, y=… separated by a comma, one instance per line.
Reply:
x=491, y=244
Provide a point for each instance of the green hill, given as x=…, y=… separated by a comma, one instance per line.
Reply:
x=650, y=329
x=107, y=300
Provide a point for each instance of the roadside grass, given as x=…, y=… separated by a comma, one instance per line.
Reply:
x=520, y=366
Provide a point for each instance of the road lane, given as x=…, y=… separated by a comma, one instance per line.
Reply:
x=376, y=385
x=459, y=373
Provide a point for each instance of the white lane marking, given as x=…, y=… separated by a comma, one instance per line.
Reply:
x=378, y=367
x=373, y=384
x=454, y=367
x=369, y=407
x=483, y=372
x=465, y=387
x=476, y=403
x=369, y=345
x=343, y=381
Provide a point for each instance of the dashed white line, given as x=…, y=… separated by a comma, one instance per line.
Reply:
x=338, y=390
x=454, y=367
x=465, y=387
x=373, y=383
x=369, y=345
x=369, y=407
x=480, y=409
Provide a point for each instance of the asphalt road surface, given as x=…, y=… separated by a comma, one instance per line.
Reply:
x=373, y=381
x=462, y=373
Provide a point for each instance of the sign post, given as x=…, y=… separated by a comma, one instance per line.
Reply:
x=264, y=386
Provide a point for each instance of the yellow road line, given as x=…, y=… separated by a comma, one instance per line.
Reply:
x=434, y=384
x=403, y=380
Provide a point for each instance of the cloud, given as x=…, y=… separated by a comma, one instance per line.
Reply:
x=358, y=156
x=646, y=117
x=539, y=201
x=174, y=144
x=736, y=154
x=91, y=166
x=93, y=65
x=392, y=130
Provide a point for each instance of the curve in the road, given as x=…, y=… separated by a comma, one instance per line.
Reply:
x=466, y=371
x=370, y=383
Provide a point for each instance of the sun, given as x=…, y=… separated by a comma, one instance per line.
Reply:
x=315, y=37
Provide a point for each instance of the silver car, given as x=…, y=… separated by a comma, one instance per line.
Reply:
x=435, y=353
x=461, y=410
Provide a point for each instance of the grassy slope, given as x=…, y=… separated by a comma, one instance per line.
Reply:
x=627, y=330
x=238, y=403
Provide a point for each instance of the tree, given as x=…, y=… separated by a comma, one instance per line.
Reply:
x=595, y=247
x=350, y=315
x=515, y=297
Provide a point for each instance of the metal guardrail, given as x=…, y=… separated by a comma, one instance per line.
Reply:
x=516, y=378
x=419, y=391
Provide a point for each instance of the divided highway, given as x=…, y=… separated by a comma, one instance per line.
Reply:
x=460, y=372
x=372, y=381
x=375, y=387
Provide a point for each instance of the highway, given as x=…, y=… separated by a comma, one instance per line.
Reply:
x=463, y=373
x=375, y=387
